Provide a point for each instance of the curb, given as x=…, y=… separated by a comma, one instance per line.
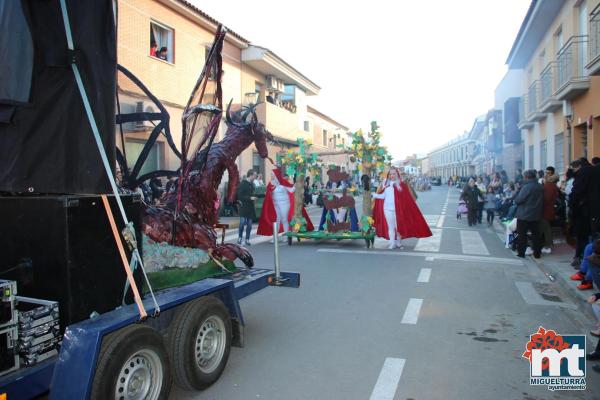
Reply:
x=568, y=289
x=565, y=287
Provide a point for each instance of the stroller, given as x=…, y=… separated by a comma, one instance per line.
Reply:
x=461, y=209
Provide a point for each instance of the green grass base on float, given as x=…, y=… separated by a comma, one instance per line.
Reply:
x=333, y=236
x=172, y=277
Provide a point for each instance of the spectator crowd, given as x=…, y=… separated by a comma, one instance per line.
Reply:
x=534, y=203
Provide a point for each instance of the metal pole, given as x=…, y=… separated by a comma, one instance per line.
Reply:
x=276, y=244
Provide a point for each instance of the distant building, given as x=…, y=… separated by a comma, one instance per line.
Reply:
x=458, y=156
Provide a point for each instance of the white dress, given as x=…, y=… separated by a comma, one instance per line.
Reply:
x=389, y=209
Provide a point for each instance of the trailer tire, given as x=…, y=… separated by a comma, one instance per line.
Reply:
x=199, y=343
x=132, y=362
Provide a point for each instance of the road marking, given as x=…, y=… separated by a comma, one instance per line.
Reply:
x=437, y=256
x=429, y=258
x=424, y=275
x=388, y=380
x=472, y=243
x=411, y=315
x=440, y=222
x=531, y=296
x=431, y=243
x=431, y=219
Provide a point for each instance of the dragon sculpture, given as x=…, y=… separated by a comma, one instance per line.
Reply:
x=187, y=215
x=193, y=225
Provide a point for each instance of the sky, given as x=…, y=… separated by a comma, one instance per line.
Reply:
x=422, y=69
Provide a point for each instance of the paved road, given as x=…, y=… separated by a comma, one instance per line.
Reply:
x=443, y=318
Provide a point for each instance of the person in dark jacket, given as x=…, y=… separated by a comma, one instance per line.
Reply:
x=245, y=197
x=529, y=201
x=471, y=195
x=580, y=207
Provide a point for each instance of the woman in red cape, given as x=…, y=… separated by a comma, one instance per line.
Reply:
x=396, y=213
x=279, y=206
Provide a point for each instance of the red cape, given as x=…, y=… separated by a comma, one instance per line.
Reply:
x=268, y=215
x=409, y=220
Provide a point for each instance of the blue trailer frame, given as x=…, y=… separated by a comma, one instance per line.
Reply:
x=70, y=374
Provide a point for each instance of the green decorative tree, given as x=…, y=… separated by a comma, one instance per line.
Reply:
x=373, y=157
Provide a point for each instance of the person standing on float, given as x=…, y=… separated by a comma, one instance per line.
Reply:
x=278, y=206
x=396, y=213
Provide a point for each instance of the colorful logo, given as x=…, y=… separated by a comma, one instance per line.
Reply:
x=556, y=361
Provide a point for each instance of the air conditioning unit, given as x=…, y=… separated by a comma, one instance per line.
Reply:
x=142, y=125
x=272, y=82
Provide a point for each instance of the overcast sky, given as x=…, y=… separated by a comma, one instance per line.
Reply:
x=423, y=69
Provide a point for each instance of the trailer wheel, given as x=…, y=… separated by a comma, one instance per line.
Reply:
x=133, y=364
x=199, y=343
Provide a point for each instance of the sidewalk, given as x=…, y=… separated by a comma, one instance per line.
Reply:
x=557, y=268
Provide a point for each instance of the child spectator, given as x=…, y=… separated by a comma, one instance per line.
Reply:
x=153, y=48
x=490, y=205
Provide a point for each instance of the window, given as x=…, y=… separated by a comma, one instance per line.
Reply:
x=154, y=161
x=306, y=126
x=325, y=143
x=530, y=163
x=288, y=98
x=161, y=42
x=542, y=59
x=558, y=36
x=559, y=152
x=543, y=154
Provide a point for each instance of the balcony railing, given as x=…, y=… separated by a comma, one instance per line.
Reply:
x=532, y=99
x=571, y=61
x=524, y=121
x=548, y=102
x=547, y=83
x=281, y=122
x=594, y=27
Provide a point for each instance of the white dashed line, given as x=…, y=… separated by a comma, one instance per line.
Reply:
x=440, y=222
x=424, y=275
x=389, y=377
x=411, y=315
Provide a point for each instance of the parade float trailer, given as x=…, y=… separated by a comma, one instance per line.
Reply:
x=90, y=326
x=339, y=220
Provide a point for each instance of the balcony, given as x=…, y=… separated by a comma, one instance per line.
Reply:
x=533, y=109
x=571, y=76
x=548, y=102
x=282, y=123
x=524, y=122
x=593, y=65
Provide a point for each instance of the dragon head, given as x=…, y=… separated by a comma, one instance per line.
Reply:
x=247, y=120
